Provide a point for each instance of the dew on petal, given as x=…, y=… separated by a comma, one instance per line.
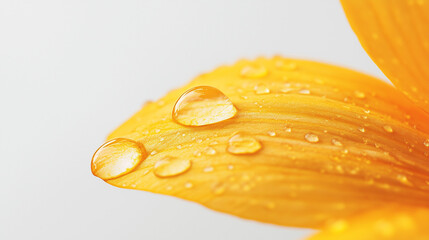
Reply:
x=243, y=144
x=336, y=142
x=388, y=129
x=312, y=138
x=271, y=133
x=304, y=91
x=359, y=94
x=117, y=157
x=426, y=142
x=210, y=151
x=361, y=129
x=170, y=167
x=208, y=169
x=203, y=105
x=288, y=130
x=261, y=89
x=188, y=185
x=254, y=71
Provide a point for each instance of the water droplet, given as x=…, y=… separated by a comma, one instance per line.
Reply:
x=271, y=133
x=288, y=130
x=336, y=142
x=210, y=151
x=304, y=91
x=208, y=169
x=161, y=139
x=153, y=152
x=403, y=179
x=359, y=94
x=117, y=157
x=197, y=153
x=203, y=105
x=426, y=143
x=188, y=185
x=388, y=129
x=261, y=89
x=361, y=129
x=243, y=144
x=170, y=167
x=254, y=71
x=218, y=189
x=312, y=138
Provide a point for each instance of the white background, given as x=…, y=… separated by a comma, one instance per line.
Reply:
x=72, y=71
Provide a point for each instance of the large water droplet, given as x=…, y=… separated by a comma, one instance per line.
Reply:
x=170, y=167
x=117, y=157
x=243, y=144
x=254, y=71
x=310, y=137
x=203, y=105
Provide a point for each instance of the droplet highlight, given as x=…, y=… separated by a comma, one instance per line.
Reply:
x=312, y=138
x=170, y=167
x=202, y=106
x=254, y=71
x=116, y=158
x=243, y=144
x=388, y=129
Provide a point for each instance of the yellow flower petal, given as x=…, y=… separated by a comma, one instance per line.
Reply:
x=396, y=36
x=392, y=222
x=316, y=145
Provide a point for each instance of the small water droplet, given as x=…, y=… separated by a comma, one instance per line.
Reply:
x=336, y=142
x=426, y=143
x=254, y=71
x=230, y=167
x=288, y=130
x=170, y=167
x=202, y=106
x=359, y=94
x=403, y=179
x=161, y=139
x=271, y=133
x=243, y=144
x=361, y=129
x=312, y=138
x=261, y=89
x=218, y=189
x=208, y=169
x=197, y=153
x=210, y=151
x=304, y=91
x=153, y=153
x=388, y=129
x=117, y=157
x=188, y=185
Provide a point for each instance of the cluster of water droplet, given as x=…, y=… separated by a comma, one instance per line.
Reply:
x=202, y=106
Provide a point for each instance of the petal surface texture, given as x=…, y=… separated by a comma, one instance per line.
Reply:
x=395, y=34
x=389, y=223
x=309, y=142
